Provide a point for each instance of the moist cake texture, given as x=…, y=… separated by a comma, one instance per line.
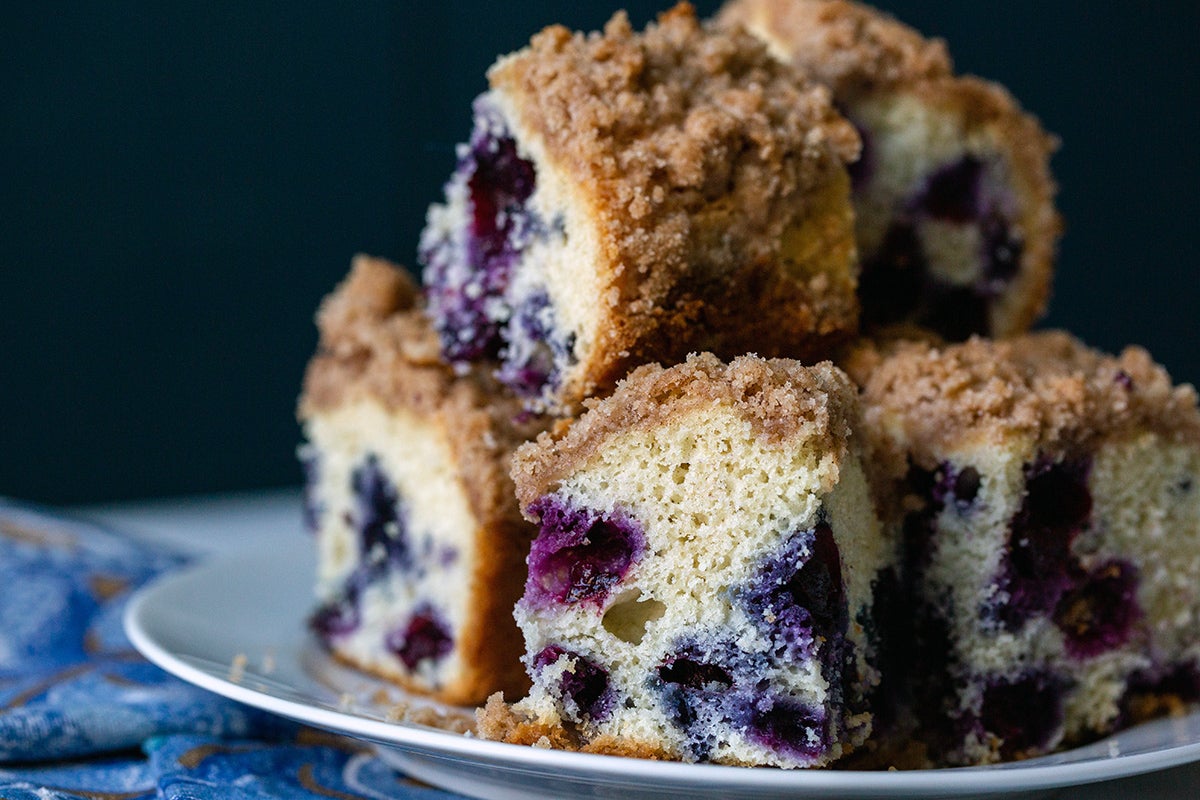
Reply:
x=700, y=587
x=1046, y=499
x=956, y=223
x=420, y=542
x=628, y=197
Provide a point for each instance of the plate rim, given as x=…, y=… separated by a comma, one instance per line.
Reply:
x=1008, y=777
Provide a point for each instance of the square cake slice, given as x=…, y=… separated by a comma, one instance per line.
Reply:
x=953, y=195
x=700, y=587
x=1048, y=500
x=420, y=542
x=629, y=197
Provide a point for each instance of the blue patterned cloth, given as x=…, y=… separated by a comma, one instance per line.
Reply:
x=82, y=715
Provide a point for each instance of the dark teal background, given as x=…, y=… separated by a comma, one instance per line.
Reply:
x=182, y=183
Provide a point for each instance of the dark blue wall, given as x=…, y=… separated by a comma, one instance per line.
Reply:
x=180, y=187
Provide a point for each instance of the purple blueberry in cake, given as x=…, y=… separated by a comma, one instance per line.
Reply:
x=582, y=686
x=579, y=554
x=337, y=617
x=785, y=726
x=798, y=597
x=1097, y=614
x=311, y=506
x=1025, y=714
x=902, y=279
x=469, y=265
x=702, y=688
x=952, y=192
x=425, y=637
x=379, y=515
x=1056, y=507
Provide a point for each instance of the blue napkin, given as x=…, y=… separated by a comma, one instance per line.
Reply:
x=82, y=715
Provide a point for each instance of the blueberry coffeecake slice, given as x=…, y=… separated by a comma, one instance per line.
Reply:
x=630, y=197
x=1047, y=498
x=420, y=542
x=956, y=224
x=701, y=582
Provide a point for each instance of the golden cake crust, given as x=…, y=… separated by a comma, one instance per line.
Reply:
x=1047, y=387
x=375, y=343
x=500, y=722
x=780, y=398
x=697, y=151
x=846, y=46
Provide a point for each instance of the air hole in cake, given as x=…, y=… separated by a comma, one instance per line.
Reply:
x=1025, y=714
x=426, y=637
x=801, y=606
x=468, y=269
x=786, y=726
x=379, y=515
x=1056, y=507
x=579, y=554
x=966, y=485
x=583, y=683
x=1098, y=614
x=628, y=617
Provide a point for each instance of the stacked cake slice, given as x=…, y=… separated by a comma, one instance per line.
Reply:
x=420, y=543
x=632, y=197
x=1047, y=498
x=956, y=224
x=703, y=570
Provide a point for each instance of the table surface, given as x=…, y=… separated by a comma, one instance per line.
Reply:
x=254, y=522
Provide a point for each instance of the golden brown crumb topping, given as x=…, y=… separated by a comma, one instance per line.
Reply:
x=781, y=398
x=374, y=340
x=846, y=46
x=1046, y=386
x=675, y=109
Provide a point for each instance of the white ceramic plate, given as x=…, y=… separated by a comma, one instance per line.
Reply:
x=197, y=624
